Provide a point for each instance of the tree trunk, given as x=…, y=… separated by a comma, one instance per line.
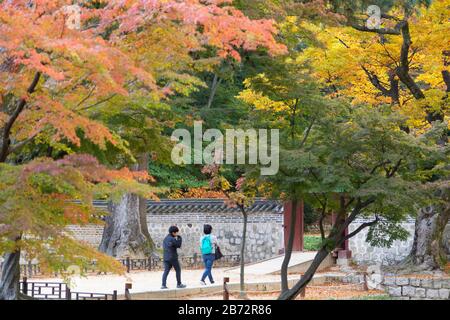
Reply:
x=10, y=277
x=288, y=250
x=143, y=162
x=336, y=237
x=215, y=84
x=123, y=235
x=428, y=250
x=126, y=231
x=306, y=278
x=242, y=293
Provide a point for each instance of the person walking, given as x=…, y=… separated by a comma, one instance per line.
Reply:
x=208, y=244
x=171, y=243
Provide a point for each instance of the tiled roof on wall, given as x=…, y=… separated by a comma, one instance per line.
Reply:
x=202, y=205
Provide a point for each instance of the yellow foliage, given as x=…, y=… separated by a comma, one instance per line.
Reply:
x=339, y=63
x=260, y=101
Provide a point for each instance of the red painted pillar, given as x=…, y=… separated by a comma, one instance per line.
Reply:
x=299, y=225
x=344, y=251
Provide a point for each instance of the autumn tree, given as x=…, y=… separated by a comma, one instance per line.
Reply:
x=284, y=95
x=146, y=31
x=238, y=196
x=57, y=75
x=39, y=199
x=404, y=63
x=49, y=69
x=358, y=163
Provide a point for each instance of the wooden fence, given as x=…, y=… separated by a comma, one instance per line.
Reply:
x=60, y=291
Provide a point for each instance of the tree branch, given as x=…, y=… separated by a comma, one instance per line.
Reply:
x=446, y=77
x=12, y=119
x=373, y=78
x=322, y=217
x=360, y=228
x=16, y=147
x=394, y=31
x=394, y=169
x=98, y=103
x=308, y=130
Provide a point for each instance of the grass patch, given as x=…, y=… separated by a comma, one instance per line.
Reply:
x=312, y=243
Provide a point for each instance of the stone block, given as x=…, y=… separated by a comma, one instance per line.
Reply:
x=444, y=294
x=401, y=281
x=414, y=282
x=343, y=262
x=420, y=293
x=437, y=283
x=389, y=280
x=394, y=291
x=408, y=291
x=446, y=283
x=433, y=293
x=426, y=283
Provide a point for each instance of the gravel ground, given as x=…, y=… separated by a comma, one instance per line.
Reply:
x=329, y=291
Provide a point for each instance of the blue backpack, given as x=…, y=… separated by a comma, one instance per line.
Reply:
x=207, y=247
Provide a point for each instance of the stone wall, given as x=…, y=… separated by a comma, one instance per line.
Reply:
x=264, y=233
x=417, y=288
x=90, y=233
x=423, y=287
x=363, y=253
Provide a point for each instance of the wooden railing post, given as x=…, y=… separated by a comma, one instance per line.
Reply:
x=128, y=286
x=114, y=296
x=68, y=294
x=25, y=286
x=128, y=264
x=226, y=293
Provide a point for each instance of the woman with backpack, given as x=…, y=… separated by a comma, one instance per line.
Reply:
x=208, y=244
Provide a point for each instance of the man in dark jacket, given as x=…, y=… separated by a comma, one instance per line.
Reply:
x=170, y=245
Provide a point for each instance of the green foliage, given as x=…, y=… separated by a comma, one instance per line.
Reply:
x=177, y=177
x=310, y=215
x=312, y=243
x=360, y=153
x=384, y=233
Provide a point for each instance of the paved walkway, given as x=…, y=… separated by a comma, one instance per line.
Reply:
x=144, y=281
x=273, y=265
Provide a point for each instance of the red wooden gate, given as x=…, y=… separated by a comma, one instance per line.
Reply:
x=299, y=225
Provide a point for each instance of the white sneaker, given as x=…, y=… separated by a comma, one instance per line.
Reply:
x=203, y=283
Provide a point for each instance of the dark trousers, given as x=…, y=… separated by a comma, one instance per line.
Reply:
x=167, y=266
x=208, y=260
